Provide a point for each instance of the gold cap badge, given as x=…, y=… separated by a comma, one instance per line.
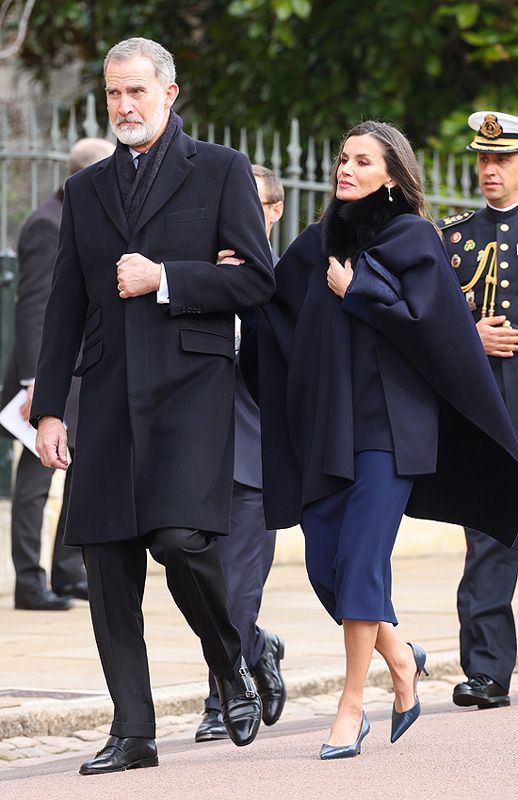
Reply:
x=491, y=128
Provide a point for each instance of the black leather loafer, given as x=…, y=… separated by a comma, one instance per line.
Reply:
x=119, y=754
x=211, y=727
x=41, y=600
x=240, y=706
x=269, y=680
x=481, y=691
x=78, y=590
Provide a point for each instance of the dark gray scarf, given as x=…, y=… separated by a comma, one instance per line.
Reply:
x=134, y=183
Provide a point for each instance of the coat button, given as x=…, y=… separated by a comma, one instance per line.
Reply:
x=504, y=227
x=504, y=284
x=503, y=264
x=505, y=303
x=504, y=246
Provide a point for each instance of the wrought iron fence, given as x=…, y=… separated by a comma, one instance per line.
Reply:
x=34, y=147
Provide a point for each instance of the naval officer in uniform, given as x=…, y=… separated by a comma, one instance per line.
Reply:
x=483, y=250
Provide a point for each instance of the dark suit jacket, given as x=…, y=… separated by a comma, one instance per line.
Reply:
x=155, y=433
x=447, y=416
x=247, y=447
x=37, y=247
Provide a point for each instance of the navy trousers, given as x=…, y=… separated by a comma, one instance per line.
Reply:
x=246, y=557
x=349, y=539
x=484, y=597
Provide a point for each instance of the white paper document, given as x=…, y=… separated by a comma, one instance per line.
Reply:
x=13, y=421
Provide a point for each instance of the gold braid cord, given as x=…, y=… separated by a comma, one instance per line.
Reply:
x=488, y=263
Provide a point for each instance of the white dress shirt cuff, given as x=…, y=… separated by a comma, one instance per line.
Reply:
x=162, y=296
x=27, y=382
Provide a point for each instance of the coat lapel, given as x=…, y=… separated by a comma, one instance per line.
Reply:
x=107, y=187
x=174, y=169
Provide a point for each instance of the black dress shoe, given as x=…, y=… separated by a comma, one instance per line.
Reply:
x=268, y=678
x=240, y=706
x=481, y=691
x=41, y=600
x=78, y=590
x=119, y=754
x=211, y=727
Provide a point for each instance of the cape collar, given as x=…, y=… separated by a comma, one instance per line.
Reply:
x=348, y=226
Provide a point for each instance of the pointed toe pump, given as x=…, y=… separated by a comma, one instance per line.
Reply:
x=329, y=751
x=402, y=720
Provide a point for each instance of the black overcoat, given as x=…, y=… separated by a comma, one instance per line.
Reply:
x=36, y=251
x=155, y=431
x=451, y=429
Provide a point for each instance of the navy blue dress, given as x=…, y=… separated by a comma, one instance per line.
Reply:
x=349, y=535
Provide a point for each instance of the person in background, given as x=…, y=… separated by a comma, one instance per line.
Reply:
x=365, y=414
x=247, y=554
x=37, y=247
x=483, y=250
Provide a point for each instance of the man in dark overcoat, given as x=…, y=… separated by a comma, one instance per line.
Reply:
x=37, y=247
x=136, y=275
x=483, y=250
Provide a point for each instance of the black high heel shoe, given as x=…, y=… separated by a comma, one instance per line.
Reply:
x=329, y=751
x=402, y=720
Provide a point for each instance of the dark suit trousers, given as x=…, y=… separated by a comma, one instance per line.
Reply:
x=484, y=597
x=116, y=577
x=246, y=556
x=30, y=494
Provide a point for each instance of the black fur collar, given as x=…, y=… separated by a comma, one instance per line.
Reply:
x=348, y=226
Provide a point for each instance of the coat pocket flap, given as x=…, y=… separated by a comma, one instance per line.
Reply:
x=90, y=357
x=188, y=215
x=209, y=342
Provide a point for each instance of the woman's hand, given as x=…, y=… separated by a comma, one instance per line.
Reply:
x=226, y=257
x=339, y=277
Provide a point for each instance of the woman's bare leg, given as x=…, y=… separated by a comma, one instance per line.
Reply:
x=401, y=663
x=360, y=637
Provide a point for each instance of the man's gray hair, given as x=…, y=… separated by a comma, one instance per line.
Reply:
x=272, y=183
x=88, y=151
x=162, y=59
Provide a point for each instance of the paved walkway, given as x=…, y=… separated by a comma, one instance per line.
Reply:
x=54, y=698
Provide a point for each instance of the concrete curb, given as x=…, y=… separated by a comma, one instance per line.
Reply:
x=64, y=717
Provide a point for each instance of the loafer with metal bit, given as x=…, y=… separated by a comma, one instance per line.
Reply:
x=120, y=754
x=241, y=706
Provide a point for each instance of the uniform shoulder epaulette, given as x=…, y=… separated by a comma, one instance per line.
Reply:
x=456, y=219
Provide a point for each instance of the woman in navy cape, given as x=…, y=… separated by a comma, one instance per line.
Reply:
x=376, y=399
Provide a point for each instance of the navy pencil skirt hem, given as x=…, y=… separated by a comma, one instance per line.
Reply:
x=349, y=538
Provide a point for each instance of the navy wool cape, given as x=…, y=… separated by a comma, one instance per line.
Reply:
x=450, y=427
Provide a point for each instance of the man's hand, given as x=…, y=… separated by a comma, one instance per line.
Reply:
x=339, y=277
x=25, y=410
x=497, y=340
x=137, y=275
x=51, y=443
x=226, y=257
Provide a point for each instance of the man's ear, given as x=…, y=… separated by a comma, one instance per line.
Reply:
x=276, y=211
x=171, y=93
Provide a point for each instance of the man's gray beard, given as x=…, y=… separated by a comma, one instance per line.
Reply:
x=144, y=132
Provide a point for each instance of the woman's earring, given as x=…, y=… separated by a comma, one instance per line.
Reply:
x=391, y=199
